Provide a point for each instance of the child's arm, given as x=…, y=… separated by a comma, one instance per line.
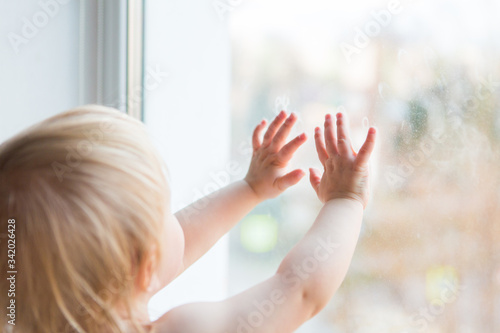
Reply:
x=207, y=220
x=314, y=269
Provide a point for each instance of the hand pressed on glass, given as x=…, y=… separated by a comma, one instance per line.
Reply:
x=266, y=175
x=346, y=172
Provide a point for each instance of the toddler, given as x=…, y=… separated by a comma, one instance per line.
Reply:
x=85, y=200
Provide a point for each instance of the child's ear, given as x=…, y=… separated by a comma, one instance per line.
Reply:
x=147, y=277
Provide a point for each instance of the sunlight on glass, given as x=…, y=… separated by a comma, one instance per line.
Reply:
x=259, y=233
x=438, y=278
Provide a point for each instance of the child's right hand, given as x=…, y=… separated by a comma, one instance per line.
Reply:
x=345, y=171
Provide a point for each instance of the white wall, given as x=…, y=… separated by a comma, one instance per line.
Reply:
x=188, y=114
x=41, y=78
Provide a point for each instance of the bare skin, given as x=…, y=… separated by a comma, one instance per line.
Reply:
x=313, y=270
x=266, y=179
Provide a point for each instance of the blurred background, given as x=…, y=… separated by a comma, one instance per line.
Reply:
x=201, y=74
x=427, y=75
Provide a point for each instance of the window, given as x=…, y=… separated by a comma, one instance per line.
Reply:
x=427, y=74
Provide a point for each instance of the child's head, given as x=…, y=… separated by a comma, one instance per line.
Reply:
x=94, y=233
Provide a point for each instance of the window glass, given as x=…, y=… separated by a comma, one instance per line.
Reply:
x=427, y=75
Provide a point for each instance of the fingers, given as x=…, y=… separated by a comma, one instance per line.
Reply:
x=290, y=179
x=273, y=128
x=283, y=132
x=315, y=178
x=256, y=143
x=331, y=145
x=286, y=153
x=320, y=146
x=343, y=140
x=367, y=148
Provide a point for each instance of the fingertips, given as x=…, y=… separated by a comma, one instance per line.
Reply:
x=367, y=148
x=341, y=125
x=296, y=174
x=331, y=145
x=320, y=146
x=314, y=178
x=283, y=132
x=371, y=136
x=256, y=140
x=289, y=121
x=317, y=135
x=298, y=140
x=314, y=174
x=343, y=140
x=280, y=115
x=299, y=173
x=286, y=153
x=273, y=127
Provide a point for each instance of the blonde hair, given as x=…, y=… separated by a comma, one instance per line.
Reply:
x=89, y=196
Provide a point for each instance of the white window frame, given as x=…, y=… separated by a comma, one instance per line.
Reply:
x=111, y=54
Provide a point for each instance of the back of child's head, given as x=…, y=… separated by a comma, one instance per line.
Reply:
x=88, y=194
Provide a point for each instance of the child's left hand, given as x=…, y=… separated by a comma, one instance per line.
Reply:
x=266, y=175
